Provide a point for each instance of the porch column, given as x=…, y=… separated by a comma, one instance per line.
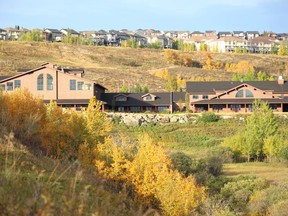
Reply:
x=281, y=108
x=245, y=107
x=227, y=107
x=208, y=107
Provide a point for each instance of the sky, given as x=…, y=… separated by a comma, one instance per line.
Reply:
x=188, y=15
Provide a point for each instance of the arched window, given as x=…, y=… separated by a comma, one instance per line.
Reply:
x=249, y=93
x=239, y=93
x=40, y=82
x=49, y=82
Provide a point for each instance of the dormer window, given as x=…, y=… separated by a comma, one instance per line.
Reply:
x=149, y=97
x=121, y=98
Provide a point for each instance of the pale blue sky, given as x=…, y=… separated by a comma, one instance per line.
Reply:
x=192, y=15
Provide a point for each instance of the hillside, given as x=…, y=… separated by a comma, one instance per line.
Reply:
x=111, y=66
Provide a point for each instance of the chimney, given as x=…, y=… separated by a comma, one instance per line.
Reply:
x=280, y=80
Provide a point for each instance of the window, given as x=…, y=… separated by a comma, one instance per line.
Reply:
x=80, y=85
x=249, y=93
x=148, y=98
x=72, y=84
x=195, y=96
x=121, y=109
x=121, y=98
x=162, y=108
x=40, y=82
x=205, y=97
x=17, y=84
x=87, y=86
x=149, y=108
x=9, y=86
x=2, y=87
x=239, y=93
x=49, y=82
x=135, y=109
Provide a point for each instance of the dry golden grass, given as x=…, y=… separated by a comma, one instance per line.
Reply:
x=111, y=66
x=273, y=172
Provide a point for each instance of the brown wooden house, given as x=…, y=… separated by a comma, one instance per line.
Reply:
x=237, y=96
x=50, y=82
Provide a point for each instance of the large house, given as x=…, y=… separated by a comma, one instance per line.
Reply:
x=50, y=82
x=70, y=89
x=237, y=96
x=141, y=102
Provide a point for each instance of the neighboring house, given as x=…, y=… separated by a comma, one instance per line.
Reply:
x=240, y=34
x=224, y=34
x=50, y=82
x=237, y=96
x=264, y=45
x=183, y=34
x=252, y=34
x=210, y=33
x=166, y=42
x=141, y=102
x=97, y=37
x=171, y=34
x=15, y=33
x=197, y=34
x=111, y=38
x=72, y=32
x=142, y=41
x=3, y=34
x=52, y=35
x=229, y=44
x=283, y=36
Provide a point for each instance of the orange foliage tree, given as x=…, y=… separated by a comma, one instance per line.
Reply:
x=147, y=171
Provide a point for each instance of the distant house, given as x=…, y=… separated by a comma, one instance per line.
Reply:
x=229, y=44
x=227, y=96
x=210, y=33
x=97, y=37
x=15, y=33
x=141, y=102
x=142, y=41
x=252, y=34
x=264, y=45
x=197, y=34
x=72, y=32
x=52, y=35
x=3, y=34
x=171, y=34
x=240, y=34
x=224, y=34
x=282, y=36
x=183, y=34
x=50, y=82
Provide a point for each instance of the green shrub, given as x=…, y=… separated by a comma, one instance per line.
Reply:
x=207, y=117
x=182, y=163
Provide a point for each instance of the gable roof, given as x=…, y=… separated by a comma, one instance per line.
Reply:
x=136, y=99
x=212, y=87
x=55, y=31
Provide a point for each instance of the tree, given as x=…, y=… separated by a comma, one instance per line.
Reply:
x=283, y=50
x=171, y=84
x=260, y=125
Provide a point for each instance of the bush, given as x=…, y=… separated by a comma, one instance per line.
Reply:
x=207, y=117
x=182, y=163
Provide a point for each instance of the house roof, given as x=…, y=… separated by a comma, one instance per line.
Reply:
x=72, y=31
x=224, y=32
x=231, y=38
x=240, y=101
x=252, y=32
x=265, y=40
x=238, y=32
x=197, y=32
x=4, y=77
x=136, y=99
x=55, y=31
x=211, y=87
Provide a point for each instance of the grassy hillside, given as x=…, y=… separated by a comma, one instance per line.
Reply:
x=111, y=66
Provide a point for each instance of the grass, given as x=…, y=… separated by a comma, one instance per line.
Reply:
x=273, y=172
x=111, y=66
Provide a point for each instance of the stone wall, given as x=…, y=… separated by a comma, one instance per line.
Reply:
x=137, y=119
